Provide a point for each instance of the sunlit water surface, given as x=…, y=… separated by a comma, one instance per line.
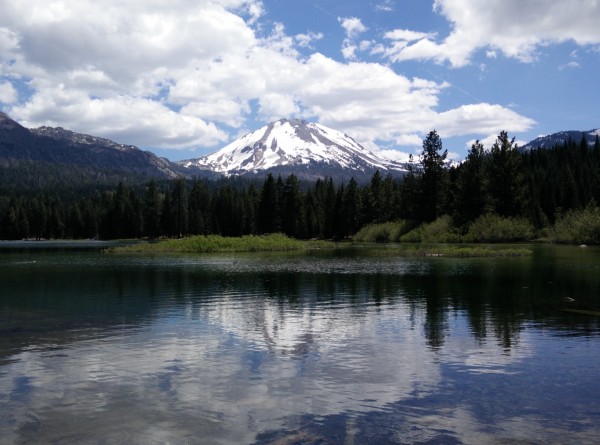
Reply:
x=346, y=347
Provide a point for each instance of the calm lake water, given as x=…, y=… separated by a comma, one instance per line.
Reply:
x=346, y=347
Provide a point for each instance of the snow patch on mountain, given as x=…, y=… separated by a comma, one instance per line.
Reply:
x=292, y=142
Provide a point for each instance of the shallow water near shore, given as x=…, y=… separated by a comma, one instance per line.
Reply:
x=351, y=346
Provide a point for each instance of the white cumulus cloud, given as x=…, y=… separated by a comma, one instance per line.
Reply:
x=107, y=68
x=353, y=26
x=516, y=28
x=184, y=74
x=8, y=93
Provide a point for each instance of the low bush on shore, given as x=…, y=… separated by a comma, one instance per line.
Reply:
x=496, y=229
x=389, y=232
x=486, y=229
x=439, y=231
x=578, y=226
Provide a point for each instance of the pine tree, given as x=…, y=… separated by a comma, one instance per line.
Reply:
x=199, y=209
x=180, y=207
x=340, y=222
x=410, y=192
x=505, y=180
x=152, y=208
x=293, y=223
x=471, y=198
x=376, y=198
x=329, y=209
x=353, y=212
x=434, y=177
x=76, y=225
x=168, y=224
x=313, y=227
x=226, y=213
x=268, y=208
x=389, y=200
x=568, y=190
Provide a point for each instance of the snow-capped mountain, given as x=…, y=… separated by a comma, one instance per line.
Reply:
x=295, y=146
x=552, y=140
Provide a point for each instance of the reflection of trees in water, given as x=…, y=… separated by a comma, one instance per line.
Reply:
x=497, y=297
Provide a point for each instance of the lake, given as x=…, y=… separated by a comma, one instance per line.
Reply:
x=351, y=346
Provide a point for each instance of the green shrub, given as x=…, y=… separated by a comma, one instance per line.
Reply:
x=492, y=228
x=439, y=231
x=414, y=236
x=382, y=232
x=578, y=226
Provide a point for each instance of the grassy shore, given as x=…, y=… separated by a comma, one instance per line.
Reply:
x=458, y=251
x=215, y=243
x=281, y=243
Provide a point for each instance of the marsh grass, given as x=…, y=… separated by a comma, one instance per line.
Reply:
x=275, y=242
x=280, y=243
x=457, y=251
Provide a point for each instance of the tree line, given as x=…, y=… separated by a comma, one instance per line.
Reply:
x=502, y=180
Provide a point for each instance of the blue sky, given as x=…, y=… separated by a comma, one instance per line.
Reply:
x=183, y=78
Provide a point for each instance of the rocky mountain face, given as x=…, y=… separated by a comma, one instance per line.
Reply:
x=60, y=146
x=562, y=137
x=308, y=150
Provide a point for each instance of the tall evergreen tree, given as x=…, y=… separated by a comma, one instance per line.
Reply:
x=293, y=222
x=506, y=183
x=390, y=196
x=313, y=226
x=434, y=178
x=268, y=209
x=122, y=217
x=353, y=211
x=152, y=208
x=410, y=192
x=199, y=209
x=227, y=212
x=471, y=197
x=180, y=207
x=340, y=222
x=329, y=209
x=168, y=223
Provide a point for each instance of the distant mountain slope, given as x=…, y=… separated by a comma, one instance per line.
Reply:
x=59, y=146
x=308, y=150
x=561, y=137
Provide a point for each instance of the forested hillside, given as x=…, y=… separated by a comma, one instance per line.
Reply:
x=536, y=186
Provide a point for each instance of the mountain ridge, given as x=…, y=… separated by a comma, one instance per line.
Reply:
x=60, y=146
x=286, y=146
x=562, y=137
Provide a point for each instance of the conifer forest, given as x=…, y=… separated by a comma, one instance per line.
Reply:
x=539, y=186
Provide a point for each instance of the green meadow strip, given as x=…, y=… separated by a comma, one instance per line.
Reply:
x=216, y=243
x=462, y=252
